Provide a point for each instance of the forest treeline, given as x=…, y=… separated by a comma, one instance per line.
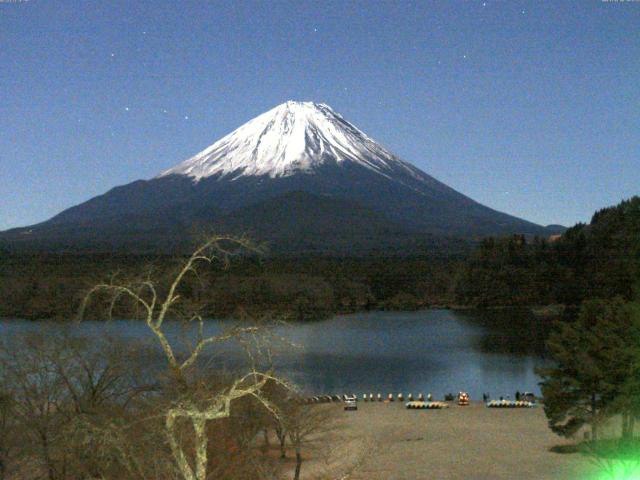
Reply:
x=596, y=260
x=48, y=286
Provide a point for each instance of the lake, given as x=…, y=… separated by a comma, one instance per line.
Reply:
x=436, y=351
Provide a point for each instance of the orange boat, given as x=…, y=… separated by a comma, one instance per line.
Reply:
x=463, y=399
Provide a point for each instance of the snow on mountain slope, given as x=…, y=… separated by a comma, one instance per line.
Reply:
x=296, y=170
x=293, y=137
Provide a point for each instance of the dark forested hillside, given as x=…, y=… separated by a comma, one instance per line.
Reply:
x=47, y=286
x=601, y=259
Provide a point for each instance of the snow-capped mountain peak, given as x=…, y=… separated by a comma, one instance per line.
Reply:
x=299, y=177
x=292, y=137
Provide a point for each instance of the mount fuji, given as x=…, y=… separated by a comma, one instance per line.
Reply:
x=299, y=177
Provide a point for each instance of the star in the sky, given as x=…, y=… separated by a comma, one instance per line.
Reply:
x=126, y=109
x=315, y=30
x=186, y=117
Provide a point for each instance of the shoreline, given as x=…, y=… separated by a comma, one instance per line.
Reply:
x=539, y=311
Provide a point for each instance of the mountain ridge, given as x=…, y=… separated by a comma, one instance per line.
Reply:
x=295, y=147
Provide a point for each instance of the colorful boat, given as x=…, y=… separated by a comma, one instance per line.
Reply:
x=509, y=404
x=419, y=405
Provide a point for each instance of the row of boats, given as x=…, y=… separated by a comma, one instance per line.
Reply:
x=391, y=398
x=509, y=404
x=462, y=399
x=491, y=404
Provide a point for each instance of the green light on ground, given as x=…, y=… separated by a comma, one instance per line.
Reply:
x=622, y=470
x=615, y=459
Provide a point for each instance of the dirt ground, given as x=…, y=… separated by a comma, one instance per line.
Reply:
x=387, y=442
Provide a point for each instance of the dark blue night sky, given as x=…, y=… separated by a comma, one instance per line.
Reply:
x=532, y=108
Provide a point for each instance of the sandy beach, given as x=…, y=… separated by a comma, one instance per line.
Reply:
x=385, y=441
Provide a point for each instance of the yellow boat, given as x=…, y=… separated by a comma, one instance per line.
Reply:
x=419, y=405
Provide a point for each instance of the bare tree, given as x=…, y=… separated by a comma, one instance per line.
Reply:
x=280, y=396
x=56, y=385
x=280, y=428
x=195, y=406
x=39, y=398
x=7, y=431
x=306, y=426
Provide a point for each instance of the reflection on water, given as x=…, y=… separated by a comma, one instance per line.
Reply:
x=514, y=331
x=435, y=351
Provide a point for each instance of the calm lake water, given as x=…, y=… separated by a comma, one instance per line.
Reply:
x=435, y=351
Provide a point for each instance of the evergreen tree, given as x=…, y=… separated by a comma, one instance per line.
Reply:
x=597, y=362
x=625, y=378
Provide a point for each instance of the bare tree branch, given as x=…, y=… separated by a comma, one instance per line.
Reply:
x=157, y=308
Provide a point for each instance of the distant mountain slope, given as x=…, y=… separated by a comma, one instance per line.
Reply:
x=302, y=222
x=270, y=172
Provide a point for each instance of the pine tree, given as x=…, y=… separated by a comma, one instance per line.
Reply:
x=597, y=362
x=625, y=379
